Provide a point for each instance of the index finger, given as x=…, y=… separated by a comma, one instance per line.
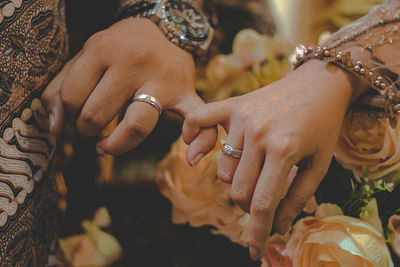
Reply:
x=199, y=129
x=204, y=116
x=205, y=139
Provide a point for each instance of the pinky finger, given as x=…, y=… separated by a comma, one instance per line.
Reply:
x=300, y=193
x=201, y=145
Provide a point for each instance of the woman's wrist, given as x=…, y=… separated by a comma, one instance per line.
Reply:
x=340, y=80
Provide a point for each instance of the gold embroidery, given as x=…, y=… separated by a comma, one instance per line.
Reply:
x=33, y=47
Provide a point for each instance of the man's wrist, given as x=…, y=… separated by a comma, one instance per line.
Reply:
x=133, y=8
x=193, y=33
x=149, y=28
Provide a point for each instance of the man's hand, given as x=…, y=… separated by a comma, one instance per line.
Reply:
x=129, y=58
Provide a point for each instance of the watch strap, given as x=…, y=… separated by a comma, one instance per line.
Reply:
x=135, y=9
x=144, y=8
x=182, y=43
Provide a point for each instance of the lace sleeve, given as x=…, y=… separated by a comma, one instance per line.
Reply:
x=370, y=48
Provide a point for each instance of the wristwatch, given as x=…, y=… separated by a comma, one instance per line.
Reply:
x=181, y=22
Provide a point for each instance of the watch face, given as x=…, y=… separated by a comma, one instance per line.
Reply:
x=187, y=20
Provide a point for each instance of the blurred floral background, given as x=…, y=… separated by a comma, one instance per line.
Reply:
x=149, y=208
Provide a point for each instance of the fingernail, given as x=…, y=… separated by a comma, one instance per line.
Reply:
x=51, y=122
x=196, y=159
x=254, y=253
x=100, y=151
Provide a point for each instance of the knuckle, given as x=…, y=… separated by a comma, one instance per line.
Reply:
x=224, y=175
x=68, y=102
x=256, y=130
x=98, y=40
x=282, y=147
x=261, y=207
x=91, y=118
x=239, y=196
x=191, y=117
x=137, y=128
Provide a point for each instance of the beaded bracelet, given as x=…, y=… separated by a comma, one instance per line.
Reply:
x=376, y=80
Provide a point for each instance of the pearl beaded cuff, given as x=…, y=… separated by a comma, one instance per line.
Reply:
x=375, y=79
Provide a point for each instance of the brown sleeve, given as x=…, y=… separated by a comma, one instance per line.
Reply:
x=119, y=5
x=370, y=48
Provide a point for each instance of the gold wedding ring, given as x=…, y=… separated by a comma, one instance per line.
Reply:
x=149, y=100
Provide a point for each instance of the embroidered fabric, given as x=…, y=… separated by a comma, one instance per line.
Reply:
x=33, y=47
x=369, y=48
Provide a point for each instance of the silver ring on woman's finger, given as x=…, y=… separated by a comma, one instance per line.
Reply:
x=231, y=151
x=149, y=100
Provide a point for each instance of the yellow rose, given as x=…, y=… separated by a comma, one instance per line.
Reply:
x=198, y=196
x=368, y=142
x=337, y=241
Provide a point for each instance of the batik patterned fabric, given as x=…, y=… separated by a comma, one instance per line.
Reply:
x=33, y=47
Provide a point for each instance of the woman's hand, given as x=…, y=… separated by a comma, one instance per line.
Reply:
x=295, y=121
x=129, y=58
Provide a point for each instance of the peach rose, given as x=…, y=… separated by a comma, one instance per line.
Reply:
x=275, y=252
x=337, y=241
x=327, y=209
x=369, y=142
x=394, y=227
x=198, y=196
